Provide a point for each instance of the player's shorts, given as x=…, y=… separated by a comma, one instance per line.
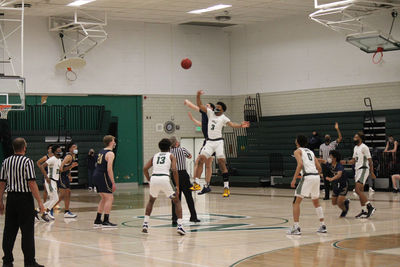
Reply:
x=361, y=175
x=204, y=144
x=102, y=183
x=64, y=183
x=212, y=147
x=161, y=183
x=340, y=189
x=308, y=187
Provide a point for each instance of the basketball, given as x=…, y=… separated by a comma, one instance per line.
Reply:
x=186, y=63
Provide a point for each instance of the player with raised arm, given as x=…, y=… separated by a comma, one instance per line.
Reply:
x=163, y=163
x=204, y=128
x=103, y=179
x=310, y=170
x=215, y=142
x=364, y=167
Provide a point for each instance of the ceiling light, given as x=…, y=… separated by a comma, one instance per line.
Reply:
x=208, y=9
x=80, y=2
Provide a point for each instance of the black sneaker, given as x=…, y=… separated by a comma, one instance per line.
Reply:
x=109, y=225
x=371, y=210
x=37, y=218
x=346, y=205
x=205, y=190
x=195, y=220
x=45, y=217
x=395, y=191
x=174, y=223
x=362, y=215
x=97, y=224
x=10, y=264
x=34, y=265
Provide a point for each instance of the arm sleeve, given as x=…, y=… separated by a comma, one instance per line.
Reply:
x=202, y=112
x=30, y=171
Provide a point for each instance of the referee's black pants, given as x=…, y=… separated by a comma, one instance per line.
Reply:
x=184, y=187
x=326, y=173
x=19, y=215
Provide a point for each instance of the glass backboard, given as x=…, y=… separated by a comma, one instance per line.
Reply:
x=12, y=92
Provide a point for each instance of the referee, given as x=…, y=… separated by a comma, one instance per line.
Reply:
x=18, y=178
x=181, y=154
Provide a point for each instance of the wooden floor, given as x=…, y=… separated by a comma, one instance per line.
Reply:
x=247, y=229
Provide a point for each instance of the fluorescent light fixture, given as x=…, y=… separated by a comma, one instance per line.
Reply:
x=80, y=2
x=208, y=9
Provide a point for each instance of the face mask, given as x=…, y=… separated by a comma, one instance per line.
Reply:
x=217, y=110
x=75, y=151
x=356, y=142
x=59, y=154
x=329, y=160
x=327, y=140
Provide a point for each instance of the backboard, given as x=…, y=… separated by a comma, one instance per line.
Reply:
x=12, y=92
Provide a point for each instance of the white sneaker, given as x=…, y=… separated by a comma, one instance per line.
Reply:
x=94, y=189
x=70, y=215
x=371, y=190
x=90, y=189
x=294, y=231
x=50, y=216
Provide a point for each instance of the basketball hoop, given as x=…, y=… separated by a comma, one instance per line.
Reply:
x=4, y=109
x=379, y=55
x=70, y=75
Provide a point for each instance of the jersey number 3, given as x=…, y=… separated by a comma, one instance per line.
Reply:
x=212, y=127
x=161, y=160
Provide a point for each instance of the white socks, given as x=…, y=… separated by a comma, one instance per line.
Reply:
x=196, y=180
x=179, y=221
x=226, y=184
x=296, y=224
x=146, y=219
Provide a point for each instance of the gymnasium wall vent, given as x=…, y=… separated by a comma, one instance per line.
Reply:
x=208, y=24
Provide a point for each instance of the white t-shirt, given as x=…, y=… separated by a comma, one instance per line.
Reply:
x=53, y=165
x=308, y=158
x=216, y=124
x=162, y=163
x=361, y=155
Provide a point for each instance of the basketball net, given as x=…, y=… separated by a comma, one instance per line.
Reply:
x=71, y=75
x=378, y=56
x=4, y=109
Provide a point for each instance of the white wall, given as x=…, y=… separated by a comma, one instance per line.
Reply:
x=137, y=58
x=296, y=53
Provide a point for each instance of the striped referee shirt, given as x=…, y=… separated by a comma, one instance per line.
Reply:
x=16, y=171
x=180, y=154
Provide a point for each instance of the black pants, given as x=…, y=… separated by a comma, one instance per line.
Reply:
x=326, y=172
x=19, y=215
x=5, y=138
x=184, y=187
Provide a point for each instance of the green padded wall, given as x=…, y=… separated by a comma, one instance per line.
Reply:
x=128, y=109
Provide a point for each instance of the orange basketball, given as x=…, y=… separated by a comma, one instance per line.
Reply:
x=186, y=63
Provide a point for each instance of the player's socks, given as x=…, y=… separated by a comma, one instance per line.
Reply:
x=296, y=224
x=179, y=221
x=106, y=217
x=98, y=217
x=146, y=219
x=226, y=184
x=197, y=180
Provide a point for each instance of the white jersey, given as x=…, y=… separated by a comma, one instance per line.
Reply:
x=162, y=163
x=53, y=165
x=216, y=124
x=308, y=158
x=361, y=155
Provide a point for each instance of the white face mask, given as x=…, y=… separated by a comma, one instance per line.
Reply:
x=75, y=151
x=329, y=160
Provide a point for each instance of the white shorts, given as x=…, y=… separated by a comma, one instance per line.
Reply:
x=212, y=147
x=308, y=187
x=361, y=175
x=161, y=184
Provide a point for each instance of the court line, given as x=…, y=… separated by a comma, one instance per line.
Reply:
x=120, y=252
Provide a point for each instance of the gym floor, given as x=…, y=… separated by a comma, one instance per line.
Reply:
x=247, y=229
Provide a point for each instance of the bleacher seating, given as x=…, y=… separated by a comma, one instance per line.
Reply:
x=276, y=134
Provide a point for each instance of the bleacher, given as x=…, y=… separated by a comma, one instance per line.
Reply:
x=275, y=136
x=39, y=125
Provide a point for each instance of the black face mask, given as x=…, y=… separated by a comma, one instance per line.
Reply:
x=327, y=140
x=217, y=110
x=356, y=142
